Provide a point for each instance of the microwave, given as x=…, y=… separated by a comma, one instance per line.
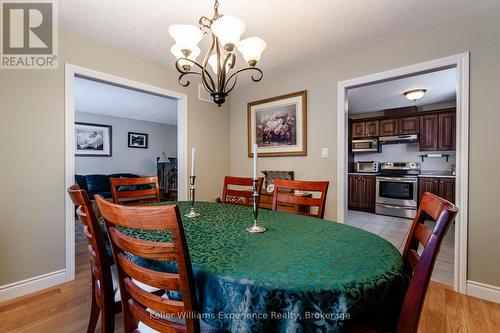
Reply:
x=365, y=146
x=367, y=166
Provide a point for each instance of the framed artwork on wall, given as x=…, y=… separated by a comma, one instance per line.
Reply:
x=137, y=140
x=93, y=139
x=278, y=125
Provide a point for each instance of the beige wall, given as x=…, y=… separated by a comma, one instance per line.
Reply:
x=32, y=151
x=479, y=35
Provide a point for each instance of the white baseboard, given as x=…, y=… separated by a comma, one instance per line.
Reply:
x=32, y=285
x=483, y=291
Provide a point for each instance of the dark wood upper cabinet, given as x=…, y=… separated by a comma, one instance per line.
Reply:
x=438, y=131
x=408, y=125
x=447, y=131
x=388, y=127
x=364, y=129
x=372, y=128
x=429, y=128
x=358, y=130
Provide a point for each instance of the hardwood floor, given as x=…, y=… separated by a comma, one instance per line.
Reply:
x=65, y=308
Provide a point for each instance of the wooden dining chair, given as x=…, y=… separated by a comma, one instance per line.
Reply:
x=103, y=290
x=239, y=196
x=283, y=193
x=419, y=266
x=138, y=304
x=135, y=190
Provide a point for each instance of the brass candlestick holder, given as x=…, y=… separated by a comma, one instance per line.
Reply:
x=255, y=228
x=192, y=213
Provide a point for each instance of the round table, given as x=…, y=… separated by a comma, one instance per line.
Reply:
x=301, y=275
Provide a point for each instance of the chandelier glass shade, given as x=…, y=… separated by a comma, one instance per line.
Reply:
x=217, y=69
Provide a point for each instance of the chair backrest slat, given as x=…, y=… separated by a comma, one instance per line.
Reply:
x=134, y=299
x=149, y=250
x=161, y=280
x=419, y=267
x=280, y=196
x=152, y=301
x=239, y=196
x=138, y=195
x=159, y=324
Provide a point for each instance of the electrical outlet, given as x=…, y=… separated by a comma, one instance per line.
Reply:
x=324, y=152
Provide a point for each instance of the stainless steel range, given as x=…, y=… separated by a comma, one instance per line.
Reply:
x=397, y=189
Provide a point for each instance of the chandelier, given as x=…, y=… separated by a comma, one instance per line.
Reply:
x=220, y=79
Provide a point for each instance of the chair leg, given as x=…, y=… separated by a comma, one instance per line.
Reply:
x=108, y=321
x=94, y=311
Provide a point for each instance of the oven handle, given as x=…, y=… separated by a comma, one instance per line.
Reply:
x=394, y=207
x=400, y=180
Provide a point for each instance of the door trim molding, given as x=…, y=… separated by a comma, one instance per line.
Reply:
x=182, y=142
x=461, y=62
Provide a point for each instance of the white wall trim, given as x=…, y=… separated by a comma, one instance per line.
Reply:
x=483, y=291
x=182, y=143
x=461, y=62
x=28, y=286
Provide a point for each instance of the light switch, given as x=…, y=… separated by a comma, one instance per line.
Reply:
x=324, y=152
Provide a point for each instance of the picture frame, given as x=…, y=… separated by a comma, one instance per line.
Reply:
x=93, y=140
x=137, y=140
x=278, y=125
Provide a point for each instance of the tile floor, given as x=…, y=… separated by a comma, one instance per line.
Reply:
x=395, y=230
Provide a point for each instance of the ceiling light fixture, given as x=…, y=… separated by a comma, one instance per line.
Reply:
x=414, y=95
x=220, y=59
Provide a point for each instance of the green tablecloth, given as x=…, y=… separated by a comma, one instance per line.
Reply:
x=302, y=275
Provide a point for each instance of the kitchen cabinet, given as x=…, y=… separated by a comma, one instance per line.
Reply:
x=443, y=187
x=365, y=129
x=447, y=131
x=388, y=127
x=408, y=125
x=429, y=129
x=372, y=128
x=438, y=131
x=399, y=126
x=362, y=193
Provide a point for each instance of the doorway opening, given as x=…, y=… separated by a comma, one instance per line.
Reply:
x=392, y=149
x=120, y=128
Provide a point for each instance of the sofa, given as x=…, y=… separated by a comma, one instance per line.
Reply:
x=100, y=184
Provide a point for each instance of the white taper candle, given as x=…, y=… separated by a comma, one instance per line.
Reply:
x=192, y=161
x=255, y=161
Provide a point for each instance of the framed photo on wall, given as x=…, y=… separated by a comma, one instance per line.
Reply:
x=92, y=139
x=278, y=125
x=137, y=140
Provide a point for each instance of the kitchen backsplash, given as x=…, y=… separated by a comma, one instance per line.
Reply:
x=409, y=152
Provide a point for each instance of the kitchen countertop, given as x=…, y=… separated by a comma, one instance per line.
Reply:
x=436, y=174
x=364, y=173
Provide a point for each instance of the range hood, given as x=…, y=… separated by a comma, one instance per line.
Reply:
x=386, y=140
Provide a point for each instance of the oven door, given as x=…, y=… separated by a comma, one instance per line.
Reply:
x=399, y=191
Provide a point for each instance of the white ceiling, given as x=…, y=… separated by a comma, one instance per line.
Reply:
x=110, y=100
x=441, y=87
x=295, y=31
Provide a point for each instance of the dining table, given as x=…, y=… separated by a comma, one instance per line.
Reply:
x=302, y=275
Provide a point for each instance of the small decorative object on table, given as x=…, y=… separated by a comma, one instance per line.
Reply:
x=255, y=207
x=192, y=178
x=270, y=176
